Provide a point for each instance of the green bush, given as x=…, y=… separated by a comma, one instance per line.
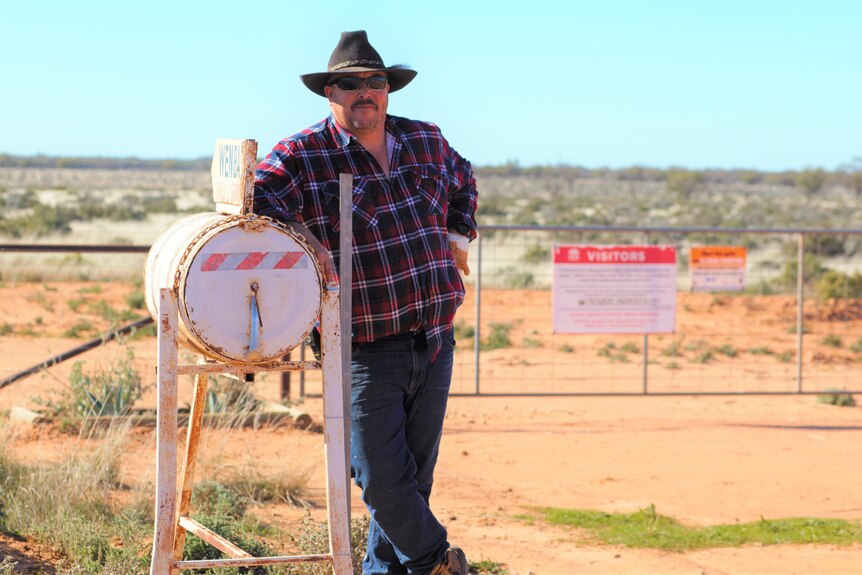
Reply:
x=811, y=181
x=683, y=183
x=136, y=300
x=836, y=397
x=727, y=350
x=463, y=331
x=536, y=254
x=835, y=284
x=499, y=336
x=812, y=269
x=105, y=392
x=81, y=327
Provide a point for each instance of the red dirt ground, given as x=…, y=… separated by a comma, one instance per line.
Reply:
x=702, y=460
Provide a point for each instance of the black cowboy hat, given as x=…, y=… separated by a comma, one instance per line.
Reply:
x=354, y=54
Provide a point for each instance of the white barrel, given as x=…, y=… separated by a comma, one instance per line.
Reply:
x=249, y=289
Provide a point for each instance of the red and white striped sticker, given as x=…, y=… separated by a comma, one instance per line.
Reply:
x=233, y=261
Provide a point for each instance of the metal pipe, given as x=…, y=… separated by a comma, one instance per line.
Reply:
x=72, y=248
x=60, y=358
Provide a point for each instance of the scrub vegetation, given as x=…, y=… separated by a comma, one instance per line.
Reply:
x=646, y=528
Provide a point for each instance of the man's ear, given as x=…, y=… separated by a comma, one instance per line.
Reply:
x=327, y=90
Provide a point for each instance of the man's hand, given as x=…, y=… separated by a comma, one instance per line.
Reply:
x=459, y=245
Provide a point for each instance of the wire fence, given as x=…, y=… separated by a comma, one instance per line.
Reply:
x=796, y=327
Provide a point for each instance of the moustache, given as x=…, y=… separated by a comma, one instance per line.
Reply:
x=363, y=103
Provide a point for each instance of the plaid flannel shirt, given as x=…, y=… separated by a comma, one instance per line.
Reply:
x=404, y=277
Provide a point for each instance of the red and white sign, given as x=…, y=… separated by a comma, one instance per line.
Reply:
x=717, y=268
x=614, y=289
x=232, y=261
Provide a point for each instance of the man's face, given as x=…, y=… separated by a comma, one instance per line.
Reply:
x=360, y=111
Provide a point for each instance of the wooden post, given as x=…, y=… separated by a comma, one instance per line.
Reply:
x=193, y=436
x=166, y=437
x=335, y=432
x=345, y=294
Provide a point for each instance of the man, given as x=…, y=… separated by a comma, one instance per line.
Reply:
x=414, y=203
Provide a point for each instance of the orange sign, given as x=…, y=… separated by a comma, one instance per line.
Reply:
x=717, y=268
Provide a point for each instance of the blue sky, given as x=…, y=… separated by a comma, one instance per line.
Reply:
x=770, y=85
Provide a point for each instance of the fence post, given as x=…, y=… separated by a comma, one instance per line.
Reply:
x=646, y=361
x=646, y=341
x=800, y=316
x=477, y=335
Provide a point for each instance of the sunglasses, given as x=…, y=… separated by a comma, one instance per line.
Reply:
x=353, y=83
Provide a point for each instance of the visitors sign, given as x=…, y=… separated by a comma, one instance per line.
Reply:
x=717, y=268
x=614, y=289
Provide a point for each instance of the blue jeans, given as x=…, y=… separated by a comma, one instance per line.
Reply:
x=399, y=400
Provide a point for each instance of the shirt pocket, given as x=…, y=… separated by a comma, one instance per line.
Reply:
x=364, y=212
x=430, y=183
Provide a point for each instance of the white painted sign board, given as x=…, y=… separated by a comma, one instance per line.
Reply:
x=614, y=289
x=233, y=175
x=717, y=268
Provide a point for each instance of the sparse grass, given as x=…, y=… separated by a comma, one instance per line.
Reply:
x=488, y=567
x=518, y=279
x=111, y=391
x=463, y=331
x=672, y=365
x=761, y=350
x=70, y=507
x=499, y=336
x=673, y=350
x=142, y=332
x=6, y=328
x=40, y=299
x=75, y=304
x=610, y=351
x=832, y=340
x=289, y=487
x=793, y=329
x=531, y=343
x=717, y=301
x=727, y=350
x=313, y=539
x=785, y=356
x=630, y=347
x=647, y=529
x=566, y=348
x=136, y=300
x=837, y=397
x=536, y=254
x=697, y=345
x=81, y=327
x=704, y=357
x=104, y=310
x=856, y=346
x=7, y=566
x=28, y=331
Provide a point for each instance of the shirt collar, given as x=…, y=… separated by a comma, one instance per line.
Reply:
x=342, y=136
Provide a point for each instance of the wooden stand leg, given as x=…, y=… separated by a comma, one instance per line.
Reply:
x=193, y=436
x=334, y=437
x=166, y=437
